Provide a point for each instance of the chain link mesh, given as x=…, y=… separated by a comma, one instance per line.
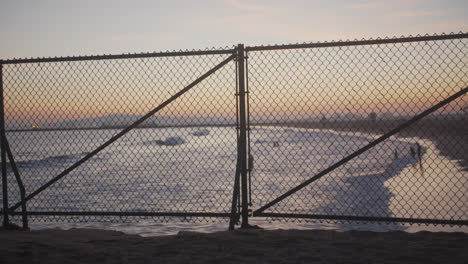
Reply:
x=309, y=106
x=312, y=107
x=58, y=112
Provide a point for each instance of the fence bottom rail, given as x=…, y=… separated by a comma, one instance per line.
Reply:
x=365, y=218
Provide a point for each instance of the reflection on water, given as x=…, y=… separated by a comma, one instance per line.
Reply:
x=192, y=170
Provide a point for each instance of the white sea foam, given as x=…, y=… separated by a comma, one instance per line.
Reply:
x=139, y=173
x=200, y=133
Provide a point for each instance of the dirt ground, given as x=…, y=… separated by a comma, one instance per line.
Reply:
x=240, y=246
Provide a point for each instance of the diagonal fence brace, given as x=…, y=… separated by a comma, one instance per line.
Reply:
x=406, y=124
x=19, y=182
x=124, y=131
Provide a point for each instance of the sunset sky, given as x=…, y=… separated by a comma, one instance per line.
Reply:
x=51, y=28
x=37, y=28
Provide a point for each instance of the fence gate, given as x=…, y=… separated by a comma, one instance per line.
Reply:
x=351, y=130
x=111, y=137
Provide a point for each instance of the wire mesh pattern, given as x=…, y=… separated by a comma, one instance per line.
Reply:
x=371, y=130
x=310, y=107
x=58, y=112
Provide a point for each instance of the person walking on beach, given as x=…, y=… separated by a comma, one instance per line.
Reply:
x=418, y=149
x=413, y=154
x=251, y=162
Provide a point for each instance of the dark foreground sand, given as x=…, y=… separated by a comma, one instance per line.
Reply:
x=241, y=246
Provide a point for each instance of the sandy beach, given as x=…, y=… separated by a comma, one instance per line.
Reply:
x=240, y=246
x=448, y=135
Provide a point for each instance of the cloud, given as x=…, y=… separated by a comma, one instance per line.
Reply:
x=417, y=13
x=368, y=5
x=376, y=4
x=246, y=6
x=455, y=26
x=134, y=37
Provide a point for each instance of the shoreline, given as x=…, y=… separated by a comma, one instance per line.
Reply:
x=447, y=135
x=240, y=246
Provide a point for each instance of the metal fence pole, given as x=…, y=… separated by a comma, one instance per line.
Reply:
x=3, y=152
x=235, y=195
x=14, y=168
x=243, y=137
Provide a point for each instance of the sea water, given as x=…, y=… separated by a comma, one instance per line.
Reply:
x=192, y=170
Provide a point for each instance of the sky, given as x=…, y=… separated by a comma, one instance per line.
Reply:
x=43, y=28
x=53, y=28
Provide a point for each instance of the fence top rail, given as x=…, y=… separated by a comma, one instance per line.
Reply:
x=360, y=42
x=121, y=56
x=233, y=50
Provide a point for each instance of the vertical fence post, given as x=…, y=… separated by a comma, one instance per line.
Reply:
x=3, y=152
x=243, y=136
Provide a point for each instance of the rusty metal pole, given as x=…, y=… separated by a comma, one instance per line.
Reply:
x=3, y=152
x=243, y=137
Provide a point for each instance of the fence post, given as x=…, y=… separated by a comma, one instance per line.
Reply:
x=243, y=137
x=3, y=152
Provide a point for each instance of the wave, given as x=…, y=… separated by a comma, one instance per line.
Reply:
x=170, y=141
x=200, y=133
x=52, y=161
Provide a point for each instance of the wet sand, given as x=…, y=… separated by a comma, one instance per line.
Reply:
x=449, y=135
x=240, y=246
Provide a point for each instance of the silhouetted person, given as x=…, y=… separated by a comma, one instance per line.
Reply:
x=419, y=150
x=413, y=154
x=251, y=162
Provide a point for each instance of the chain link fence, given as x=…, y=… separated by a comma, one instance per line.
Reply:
x=313, y=105
x=59, y=112
x=341, y=131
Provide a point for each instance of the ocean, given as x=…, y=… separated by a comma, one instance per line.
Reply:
x=192, y=170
